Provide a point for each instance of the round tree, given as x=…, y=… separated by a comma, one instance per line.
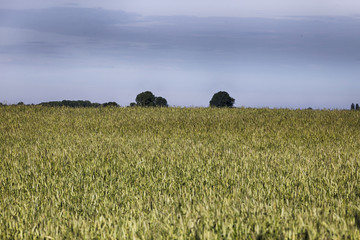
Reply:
x=160, y=102
x=222, y=99
x=145, y=99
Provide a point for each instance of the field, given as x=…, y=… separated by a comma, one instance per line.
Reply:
x=179, y=173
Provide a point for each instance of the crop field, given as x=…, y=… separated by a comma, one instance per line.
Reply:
x=179, y=173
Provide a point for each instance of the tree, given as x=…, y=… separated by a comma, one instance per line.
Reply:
x=222, y=99
x=160, y=102
x=352, y=106
x=145, y=99
x=132, y=104
x=357, y=107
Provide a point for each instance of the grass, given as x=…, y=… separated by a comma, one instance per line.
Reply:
x=179, y=173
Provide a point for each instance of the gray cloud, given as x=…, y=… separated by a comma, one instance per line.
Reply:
x=68, y=21
x=325, y=38
x=203, y=8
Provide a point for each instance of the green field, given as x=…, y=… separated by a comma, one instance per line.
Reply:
x=179, y=173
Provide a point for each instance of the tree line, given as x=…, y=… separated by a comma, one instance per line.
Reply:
x=77, y=104
x=144, y=99
x=148, y=99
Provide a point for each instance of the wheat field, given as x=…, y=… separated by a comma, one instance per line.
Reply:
x=179, y=173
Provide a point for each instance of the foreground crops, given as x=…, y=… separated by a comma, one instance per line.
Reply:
x=125, y=173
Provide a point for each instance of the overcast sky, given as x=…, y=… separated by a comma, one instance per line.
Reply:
x=233, y=8
x=264, y=53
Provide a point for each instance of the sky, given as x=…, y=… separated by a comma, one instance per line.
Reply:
x=264, y=53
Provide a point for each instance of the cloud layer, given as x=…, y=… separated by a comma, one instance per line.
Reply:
x=204, y=8
x=327, y=38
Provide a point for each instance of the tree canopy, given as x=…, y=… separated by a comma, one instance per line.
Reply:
x=222, y=99
x=145, y=99
x=160, y=102
x=148, y=99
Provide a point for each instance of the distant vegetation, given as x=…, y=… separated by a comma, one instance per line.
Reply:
x=69, y=103
x=148, y=99
x=222, y=99
x=355, y=107
x=110, y=104
x=77, y=104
